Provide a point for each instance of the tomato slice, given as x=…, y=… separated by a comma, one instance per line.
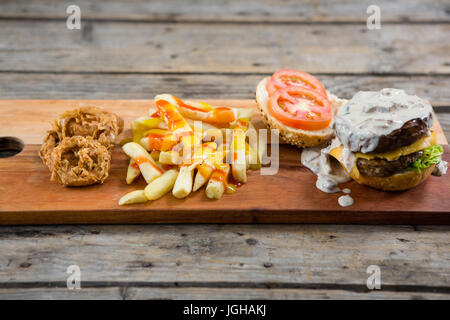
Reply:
x=292, y=78
x=300, y=108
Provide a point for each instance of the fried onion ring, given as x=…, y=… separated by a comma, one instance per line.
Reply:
x=90, y=122
x=80, y=161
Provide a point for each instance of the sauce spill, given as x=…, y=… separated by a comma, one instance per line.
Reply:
x=329, y=172
x=440, y=169
x=345, y=201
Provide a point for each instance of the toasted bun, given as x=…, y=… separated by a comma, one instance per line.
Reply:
x=296, y=137
x=397, y=182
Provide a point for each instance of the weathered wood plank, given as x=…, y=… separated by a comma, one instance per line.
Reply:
x=225, y=48
x=244, y=254
x=444, y=120
x=200, y=86
x=232, y=10
x=141, y=293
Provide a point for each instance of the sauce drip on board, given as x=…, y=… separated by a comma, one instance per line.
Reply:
x=329, y=172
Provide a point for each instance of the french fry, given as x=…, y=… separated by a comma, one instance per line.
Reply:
x=204, y=172
x=169, y=157
x=183, y=184
x=137, y=196
x=244, y=113
x=208, y=131
x=190, y=143
x=143, y=124
x=158, y=139
x=261, y=147
x=133, y=171
x=155, y=155
x=149, y=169
x=247, y=156
x=205, y=168
x=221, y=116
x=161, y=185
x=217, y=182
x=239, y=166
x=179, y=127
x=254, y=161
x=175, y=120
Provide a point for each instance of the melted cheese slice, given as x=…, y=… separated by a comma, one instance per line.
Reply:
x=420, y=144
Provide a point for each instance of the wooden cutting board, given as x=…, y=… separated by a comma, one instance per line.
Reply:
x=27, y=196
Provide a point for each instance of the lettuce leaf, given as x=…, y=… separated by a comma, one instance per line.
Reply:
x=431, y=155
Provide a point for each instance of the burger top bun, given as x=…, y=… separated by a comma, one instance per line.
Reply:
x=297, y=137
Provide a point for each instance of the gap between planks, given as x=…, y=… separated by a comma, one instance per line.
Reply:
x=356, y=288
x=266, y=11
x=166, y=20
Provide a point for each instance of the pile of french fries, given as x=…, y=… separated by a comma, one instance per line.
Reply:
x=183, y=146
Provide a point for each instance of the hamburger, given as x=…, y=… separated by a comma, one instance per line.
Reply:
x=385, y=140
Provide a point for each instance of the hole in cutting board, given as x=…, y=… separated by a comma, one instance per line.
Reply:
x=10, y=146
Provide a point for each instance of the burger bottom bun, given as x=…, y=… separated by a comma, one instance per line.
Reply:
x=296, y=137
x=397, y=182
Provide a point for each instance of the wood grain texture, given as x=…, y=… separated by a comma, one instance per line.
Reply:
x=232, y=10
x=257, y=48
x=129, y=292
x=200, y=86
x=444, y=119
x=98, y=204
x=411, y=259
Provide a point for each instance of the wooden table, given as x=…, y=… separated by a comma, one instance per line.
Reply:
x=134, y=50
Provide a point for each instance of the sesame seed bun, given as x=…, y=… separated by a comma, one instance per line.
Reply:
x=293, y=136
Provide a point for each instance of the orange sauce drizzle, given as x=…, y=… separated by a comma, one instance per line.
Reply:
x=168, y=166
x=184, y=105
x=222, y=115
x=243, y=123
x=135, y=166
x=141, y=160
x=174, y=118
x=155, y=141
x=204, y=170
x=220, y=174
x=156, y=114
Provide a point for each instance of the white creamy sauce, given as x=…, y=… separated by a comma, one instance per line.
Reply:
x=440, y=169
x=371, y=114
x=345, y=201
x=329, y=172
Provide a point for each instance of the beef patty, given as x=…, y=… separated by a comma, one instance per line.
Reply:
x=383, y=168
x=409, y=133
